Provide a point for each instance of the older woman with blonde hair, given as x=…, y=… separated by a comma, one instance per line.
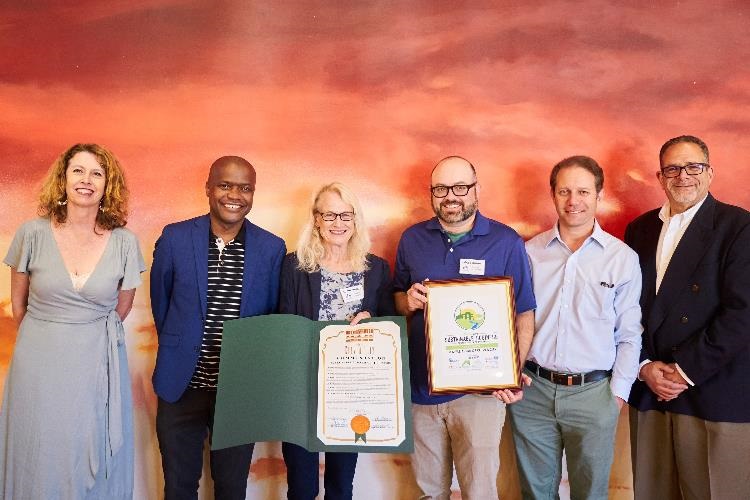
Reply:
x=331, y=276
x=66, y=420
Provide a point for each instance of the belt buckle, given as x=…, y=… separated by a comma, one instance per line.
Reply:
x=568, y=379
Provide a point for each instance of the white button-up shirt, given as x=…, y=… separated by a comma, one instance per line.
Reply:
x=672, y=230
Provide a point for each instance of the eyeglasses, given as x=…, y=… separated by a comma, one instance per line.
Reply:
x=458, y=190
x=691, y=169
x=331, y=216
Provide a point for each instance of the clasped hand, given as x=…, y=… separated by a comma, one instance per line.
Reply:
x=663, y=379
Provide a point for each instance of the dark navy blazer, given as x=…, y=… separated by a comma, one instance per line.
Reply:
x=701, y=316
x=179, y=280
x=300, y=291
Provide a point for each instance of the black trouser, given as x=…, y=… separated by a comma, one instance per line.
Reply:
x=182, y=428
x=302, y=473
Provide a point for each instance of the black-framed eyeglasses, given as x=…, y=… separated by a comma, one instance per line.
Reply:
x=691, y=169
x=331, y=216
x=458, y=190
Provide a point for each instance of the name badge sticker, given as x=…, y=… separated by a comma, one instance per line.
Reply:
x=471, y=266
x=352, y=293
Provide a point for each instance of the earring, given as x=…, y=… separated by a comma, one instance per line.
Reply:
x=62, y=203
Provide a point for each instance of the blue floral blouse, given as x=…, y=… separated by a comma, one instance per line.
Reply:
x=332, y=305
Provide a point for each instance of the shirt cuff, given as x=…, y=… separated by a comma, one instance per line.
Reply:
x=620, y=388
x=687, y=379
x=644, y=362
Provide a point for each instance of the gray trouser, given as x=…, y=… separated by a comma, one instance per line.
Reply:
x=579, y=419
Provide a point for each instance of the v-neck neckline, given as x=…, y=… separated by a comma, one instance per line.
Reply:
x=68, y=274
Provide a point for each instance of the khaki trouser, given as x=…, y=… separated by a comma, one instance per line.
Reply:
x=465, y=431
x=679, y=457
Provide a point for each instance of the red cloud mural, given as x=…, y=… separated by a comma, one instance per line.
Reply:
x=368, y=93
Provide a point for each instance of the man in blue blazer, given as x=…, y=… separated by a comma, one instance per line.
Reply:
x=690, y=421
x=207, y=270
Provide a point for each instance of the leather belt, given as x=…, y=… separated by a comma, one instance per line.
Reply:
x=568, y=378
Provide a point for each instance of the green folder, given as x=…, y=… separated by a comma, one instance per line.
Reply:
x=268, y=384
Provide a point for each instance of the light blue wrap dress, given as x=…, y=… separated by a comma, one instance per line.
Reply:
x=66, y=425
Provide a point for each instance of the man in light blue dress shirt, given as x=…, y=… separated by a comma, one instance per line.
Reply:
x=584, y=356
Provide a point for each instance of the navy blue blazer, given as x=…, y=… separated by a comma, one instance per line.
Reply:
x=179, y=280
x=300, y=291
x=701, y=316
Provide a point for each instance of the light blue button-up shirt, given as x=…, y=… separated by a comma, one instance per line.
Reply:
x=588, y=315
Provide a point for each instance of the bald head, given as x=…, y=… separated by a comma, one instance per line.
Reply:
x=454, y=162
x=224, y=161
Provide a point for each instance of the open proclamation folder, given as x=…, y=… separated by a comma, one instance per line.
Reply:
x=324, y=385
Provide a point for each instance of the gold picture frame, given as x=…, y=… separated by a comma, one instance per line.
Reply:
x=470, y=330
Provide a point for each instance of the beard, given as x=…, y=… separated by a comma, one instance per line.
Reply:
x=465, y=212
x=685, y=195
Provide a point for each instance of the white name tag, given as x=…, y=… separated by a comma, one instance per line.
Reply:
x=471, y=266
x=352, y=293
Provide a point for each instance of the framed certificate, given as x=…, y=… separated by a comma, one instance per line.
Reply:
x=470, y=329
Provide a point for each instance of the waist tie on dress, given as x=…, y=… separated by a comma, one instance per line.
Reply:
x=113, y=417
x=115, y=338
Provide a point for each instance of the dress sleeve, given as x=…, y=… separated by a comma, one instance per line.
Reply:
x=20, y=251
x=134, y=263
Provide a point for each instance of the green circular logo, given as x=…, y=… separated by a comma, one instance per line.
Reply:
x=469, y=315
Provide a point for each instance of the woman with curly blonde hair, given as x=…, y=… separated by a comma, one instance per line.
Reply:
x=113, y=206
x=331, y=276
x=66, y=420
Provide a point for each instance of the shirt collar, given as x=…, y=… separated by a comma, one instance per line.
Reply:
x=481, y=225
x=240, y=238
x=683, y=218
x=597, y=235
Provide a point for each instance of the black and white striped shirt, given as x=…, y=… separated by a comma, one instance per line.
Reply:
x=226, y=263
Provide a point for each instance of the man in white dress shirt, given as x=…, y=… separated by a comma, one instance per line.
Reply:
x=690, y=415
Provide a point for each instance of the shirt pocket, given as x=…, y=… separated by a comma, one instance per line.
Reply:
x=598, y=300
